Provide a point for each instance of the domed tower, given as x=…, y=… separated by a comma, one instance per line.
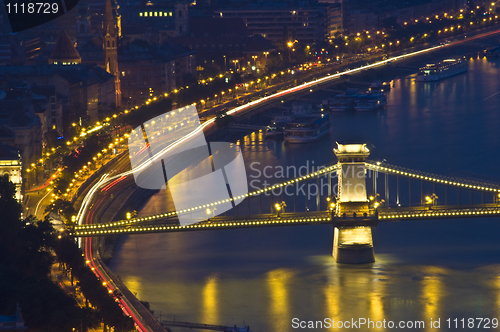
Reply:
x=64, y=52
x=109, y=46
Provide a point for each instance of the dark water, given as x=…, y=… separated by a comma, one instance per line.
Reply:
x=424, y=270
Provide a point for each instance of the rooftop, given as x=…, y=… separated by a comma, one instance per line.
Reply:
x=8, y=152
x=64, y=50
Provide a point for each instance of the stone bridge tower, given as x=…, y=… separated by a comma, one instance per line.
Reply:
x=352, y=238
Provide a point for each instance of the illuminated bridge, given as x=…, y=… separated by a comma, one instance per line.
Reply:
x=352, y=195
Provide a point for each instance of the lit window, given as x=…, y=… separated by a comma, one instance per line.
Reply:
x=55, y=62
x=54, y=127
x=146, y=14
x=140, y=14
x=170, y=14
x=161, y=13
x=123, y=73
x=156, y=13
x=166, y=14
x=150, y=13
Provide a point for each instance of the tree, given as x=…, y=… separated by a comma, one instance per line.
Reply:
x=285, y=36
x=390, y=23
x=25, y=262
x=62, y=208
x=10, y=212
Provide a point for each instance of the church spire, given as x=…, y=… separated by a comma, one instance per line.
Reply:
x=109, y=27
x=109, y=48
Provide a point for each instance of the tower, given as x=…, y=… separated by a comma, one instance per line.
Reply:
x=109, y=45
x=181, y=19
x=352, y=240
x=64, y=52
x=82, y=24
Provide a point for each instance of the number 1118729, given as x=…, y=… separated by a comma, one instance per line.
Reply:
x=472, y=323
x=32, y=8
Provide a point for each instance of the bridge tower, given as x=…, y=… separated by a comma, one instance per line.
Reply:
x=352, y=238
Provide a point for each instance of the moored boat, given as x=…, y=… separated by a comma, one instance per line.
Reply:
x=493, y=52
x=307, y=128
x=344, y=101
x=380, y=86
x=444, y=69
x=370, y=102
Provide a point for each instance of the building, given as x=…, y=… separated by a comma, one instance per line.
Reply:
x=369, y=14
x=49, y=108
x=146, y=73
x=64, y=52
x=11, y=168
x=305, y=24
x=334, y=23
x=110, y=49
x=16, y=51
x=20, y=126
x=12, y=323
x=227, y=41
x=163, y=19
x=84, y=90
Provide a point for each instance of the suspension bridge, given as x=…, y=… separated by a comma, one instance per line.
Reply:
x=353, y=195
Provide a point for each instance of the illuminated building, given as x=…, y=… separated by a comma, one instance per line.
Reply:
x=11, y=168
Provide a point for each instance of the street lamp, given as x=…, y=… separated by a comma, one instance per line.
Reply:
x=208, y=211
x=254, y=57
x=431, y=200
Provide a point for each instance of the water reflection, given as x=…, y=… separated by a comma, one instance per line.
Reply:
x=210, y=312
x=376, y=298
x=432, y=294
x=278, y=283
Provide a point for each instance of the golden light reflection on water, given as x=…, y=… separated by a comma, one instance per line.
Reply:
x=134, y=285
x=376, y=299
x=432, y=295
x=496, y=283
x=278, y=283
x=332, y=301
x=210, y=303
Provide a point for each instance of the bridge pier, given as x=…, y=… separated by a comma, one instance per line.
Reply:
x=352, y=244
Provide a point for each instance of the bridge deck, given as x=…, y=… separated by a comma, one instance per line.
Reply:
x=304, y=218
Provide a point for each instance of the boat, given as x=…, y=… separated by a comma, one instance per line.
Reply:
x=447, y=68
x=380, y=86
x=370, y=101
x=493, y=52
x=307, y=128
x=344, y=101
x=275, y=131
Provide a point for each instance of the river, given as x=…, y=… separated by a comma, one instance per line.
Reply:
x=432, y=269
